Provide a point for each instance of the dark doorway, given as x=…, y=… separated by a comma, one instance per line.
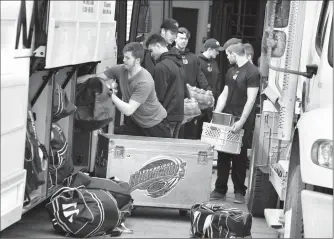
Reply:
x=187, y=17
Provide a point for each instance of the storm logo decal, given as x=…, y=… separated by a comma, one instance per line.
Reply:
x=158, y=176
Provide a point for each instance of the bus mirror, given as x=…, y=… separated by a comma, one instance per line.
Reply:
x=277, y=44
x=145, y=19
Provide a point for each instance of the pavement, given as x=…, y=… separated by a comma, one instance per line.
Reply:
x=144, y=222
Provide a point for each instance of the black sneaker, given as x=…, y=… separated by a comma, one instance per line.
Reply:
x=239, y=198
x=217, y=196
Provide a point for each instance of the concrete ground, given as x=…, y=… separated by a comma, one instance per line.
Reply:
x=145, y=223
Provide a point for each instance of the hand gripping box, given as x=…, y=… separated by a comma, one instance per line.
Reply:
x=169, y=173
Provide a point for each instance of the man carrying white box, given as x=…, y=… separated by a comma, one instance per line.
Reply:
x=238, y=98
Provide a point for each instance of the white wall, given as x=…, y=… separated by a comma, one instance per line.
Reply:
x=202, y=23
x=128, y=19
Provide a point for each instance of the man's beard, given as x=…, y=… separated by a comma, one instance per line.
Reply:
x=130, y=67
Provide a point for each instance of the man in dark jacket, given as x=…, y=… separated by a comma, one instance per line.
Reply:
x=168, y=30
x=211, y=71
x=169, y=80
x=209, y=65
x=193, y=73
x=191, y=63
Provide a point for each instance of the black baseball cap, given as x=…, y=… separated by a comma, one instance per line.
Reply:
x=170, y=24
x=231, y=42
x=213, y=44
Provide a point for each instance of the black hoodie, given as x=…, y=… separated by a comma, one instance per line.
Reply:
x=148, y=62
x=212, y=74
x=169, y=81
x=192, y=68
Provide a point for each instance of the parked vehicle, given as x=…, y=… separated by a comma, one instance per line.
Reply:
x=292, y=152
x=45, y=44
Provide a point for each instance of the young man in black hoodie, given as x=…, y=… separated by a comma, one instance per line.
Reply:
x=168, y=31
x=209, y=65
x=191, y=63
x=193, y=73
x=211, y=71
x=169, y=81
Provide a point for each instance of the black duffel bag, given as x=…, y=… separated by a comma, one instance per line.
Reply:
x=90, y=207
x=94, y=105
x=62, y=106
x=35, y=157
x=60, y=160
x=210, y=220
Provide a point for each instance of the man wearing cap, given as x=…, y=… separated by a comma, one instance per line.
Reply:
x=238, y=98
x=209, y=65
x=168, y=30
x=211, y=71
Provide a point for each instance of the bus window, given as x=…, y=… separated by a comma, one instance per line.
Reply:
x=320, y=37
x=282, y=13
x=330, y=48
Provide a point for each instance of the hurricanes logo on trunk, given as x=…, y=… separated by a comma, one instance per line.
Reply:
x=158, y=176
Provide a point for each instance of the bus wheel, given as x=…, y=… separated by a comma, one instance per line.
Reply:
x=293, y=227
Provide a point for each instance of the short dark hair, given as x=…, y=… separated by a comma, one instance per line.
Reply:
x=231, y=42
x=140, y=38
x=169, y=24
x=154, y=39
x=237, y=48
x=136, y=49
x=184, y=30
x=249, y=50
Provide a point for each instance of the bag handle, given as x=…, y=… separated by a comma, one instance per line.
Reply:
x=58, y=192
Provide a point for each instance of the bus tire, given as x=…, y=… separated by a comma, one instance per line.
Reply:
x=293, y=194
x=262, y=195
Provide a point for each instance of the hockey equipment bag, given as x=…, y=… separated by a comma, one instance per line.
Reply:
x=62, y=107
x=97, y=207
x=95, y=107
x=60, y=163
x=219, y=221
x=35, y=157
